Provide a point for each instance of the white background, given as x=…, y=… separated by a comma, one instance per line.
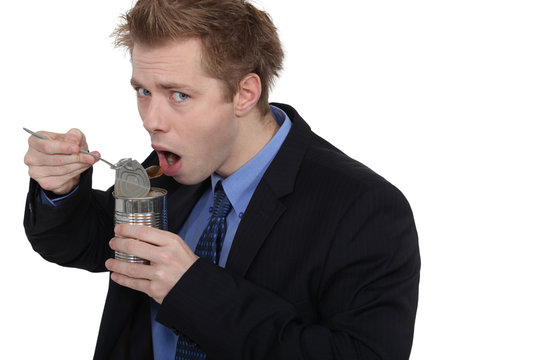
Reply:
x=439, y=97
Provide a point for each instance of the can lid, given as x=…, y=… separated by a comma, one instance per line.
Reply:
x=131, y=179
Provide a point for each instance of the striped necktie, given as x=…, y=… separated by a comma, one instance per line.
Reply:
x=208, y=248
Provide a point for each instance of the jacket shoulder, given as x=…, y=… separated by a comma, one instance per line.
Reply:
x=324, y=161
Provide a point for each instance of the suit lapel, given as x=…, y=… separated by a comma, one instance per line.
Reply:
x=266, y=206
x=262, y=213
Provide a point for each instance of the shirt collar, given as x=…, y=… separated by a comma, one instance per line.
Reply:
x=240, y=185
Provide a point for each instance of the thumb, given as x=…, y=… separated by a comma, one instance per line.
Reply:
x=76, y=136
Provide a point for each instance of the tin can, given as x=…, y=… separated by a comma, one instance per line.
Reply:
x=150, y=210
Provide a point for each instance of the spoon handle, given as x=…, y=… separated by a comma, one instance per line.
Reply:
x=99, y=158
x=36, y=134
x=33, y=133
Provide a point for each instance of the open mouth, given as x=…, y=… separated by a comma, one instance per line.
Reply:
x=171, y=158
x=169, y=162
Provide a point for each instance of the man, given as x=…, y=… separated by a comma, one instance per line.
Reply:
x=317, y=257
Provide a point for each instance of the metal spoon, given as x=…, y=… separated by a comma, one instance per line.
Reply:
x=113, y=166
x=153, y=171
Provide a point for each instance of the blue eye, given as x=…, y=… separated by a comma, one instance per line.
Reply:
x=178, y=96
x=143, y=92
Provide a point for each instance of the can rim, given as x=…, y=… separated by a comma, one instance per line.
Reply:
x=162, y=192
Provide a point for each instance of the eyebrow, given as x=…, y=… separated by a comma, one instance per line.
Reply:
x=165, y=86
x=134, y=83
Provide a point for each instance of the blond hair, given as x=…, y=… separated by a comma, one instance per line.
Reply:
x=237, y=38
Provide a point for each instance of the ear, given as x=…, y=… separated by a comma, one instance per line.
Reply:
x=247, y=94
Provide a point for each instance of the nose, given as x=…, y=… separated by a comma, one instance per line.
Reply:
x=154, y=115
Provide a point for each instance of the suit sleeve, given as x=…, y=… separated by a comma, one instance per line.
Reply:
x=77, y=231
x=366, y=301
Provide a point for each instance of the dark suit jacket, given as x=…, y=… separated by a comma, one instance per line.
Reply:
x=324, y=264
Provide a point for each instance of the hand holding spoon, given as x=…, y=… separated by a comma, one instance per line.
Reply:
x=153, y=171
x=113, y=166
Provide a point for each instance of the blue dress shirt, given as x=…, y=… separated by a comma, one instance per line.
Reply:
x=44, y=199
x=239, y=188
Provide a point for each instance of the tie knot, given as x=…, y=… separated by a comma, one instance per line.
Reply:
x=222, y=205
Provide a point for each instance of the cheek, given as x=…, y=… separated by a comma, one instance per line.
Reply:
x=224, y=127
x=216, y=121
x=215, y=134
x=141, y=107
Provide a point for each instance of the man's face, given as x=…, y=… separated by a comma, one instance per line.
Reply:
x=192, y=127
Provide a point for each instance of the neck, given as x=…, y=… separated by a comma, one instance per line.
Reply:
x=254, y=132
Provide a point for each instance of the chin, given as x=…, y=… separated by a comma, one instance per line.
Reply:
x=188, y=180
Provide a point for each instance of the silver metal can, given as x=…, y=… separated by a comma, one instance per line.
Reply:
x=150, y=210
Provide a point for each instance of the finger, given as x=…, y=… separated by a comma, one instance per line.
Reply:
x=53, y=146
x=34, y=157
x=57, y=174
x=48, y=135
x=41, y=171
x=142, y=285
x=76, y=136
x=69, y=143
x=136, y=248
x=132, y=270
x=147, y=234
